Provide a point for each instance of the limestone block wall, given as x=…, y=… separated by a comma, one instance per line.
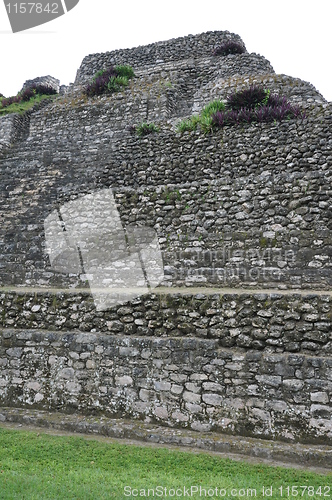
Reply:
x=6, y=129
x=160, y=94
x=277, y=321
x=188, y=47
x=248, y=207
x=297, y=91
x=257, y=365
x=48, y=80
x=13, y=127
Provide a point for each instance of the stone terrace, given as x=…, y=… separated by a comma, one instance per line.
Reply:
x=237, y=339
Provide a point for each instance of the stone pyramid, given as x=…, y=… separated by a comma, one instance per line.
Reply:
x=236, y=337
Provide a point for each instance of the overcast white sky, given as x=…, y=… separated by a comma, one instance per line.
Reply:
x=295, y=36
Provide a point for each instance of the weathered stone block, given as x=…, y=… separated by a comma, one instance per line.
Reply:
x=124, y=381
x=212, y=399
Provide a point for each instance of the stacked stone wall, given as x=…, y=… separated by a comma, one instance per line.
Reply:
x=13, y=128
x=246, y=194
x=278, y=321
x=223, y=379
x=48, y=81
x=248, y=207
x=188, y=47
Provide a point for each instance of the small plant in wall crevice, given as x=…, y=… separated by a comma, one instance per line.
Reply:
x=145, y=129
x=203, y=120
x=107, y=81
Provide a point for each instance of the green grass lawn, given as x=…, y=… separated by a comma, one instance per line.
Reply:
x=41, y=466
